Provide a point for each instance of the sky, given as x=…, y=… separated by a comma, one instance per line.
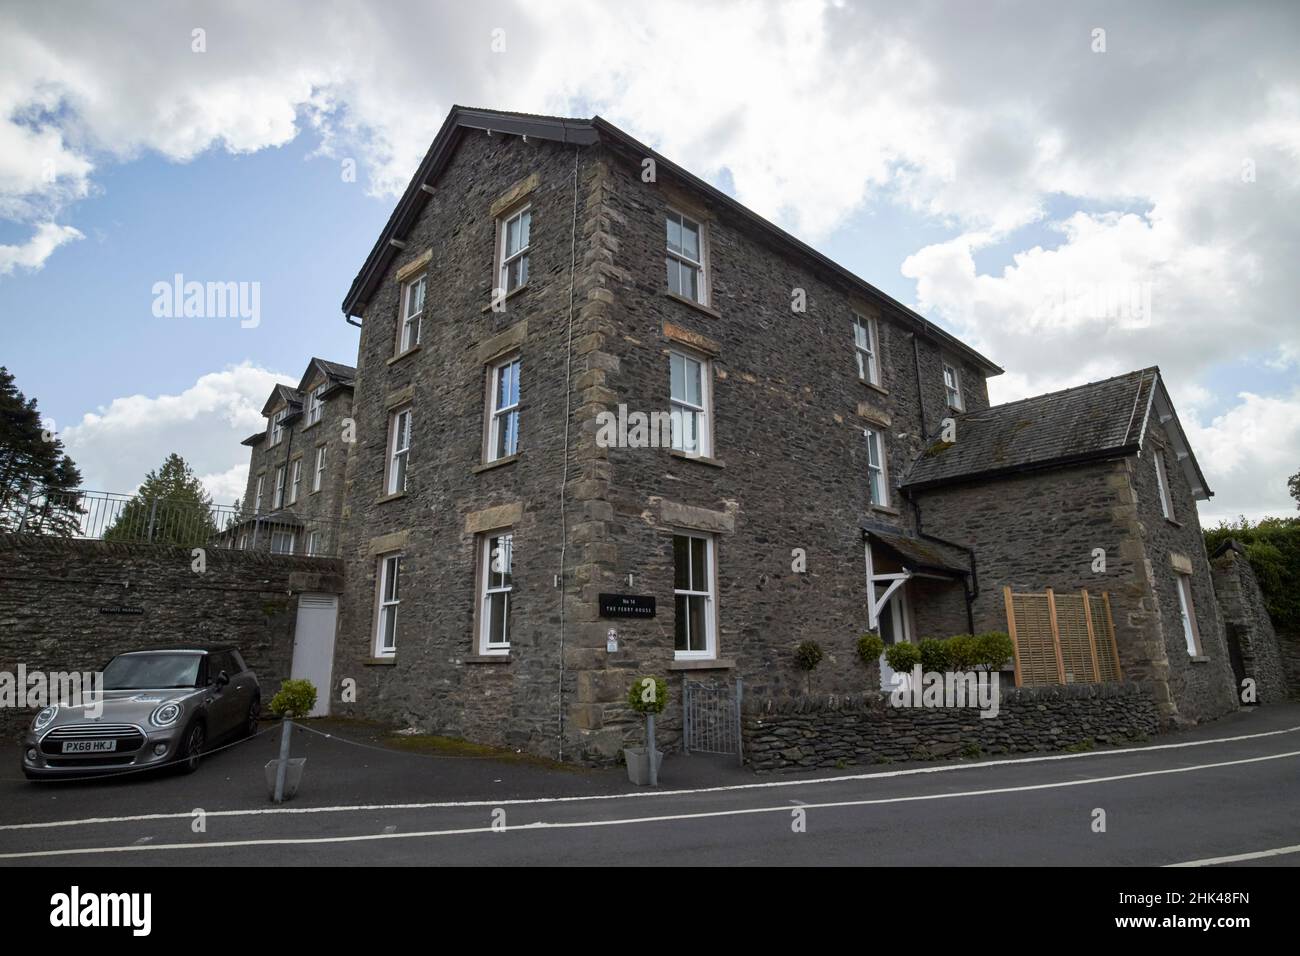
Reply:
x=1075, y=190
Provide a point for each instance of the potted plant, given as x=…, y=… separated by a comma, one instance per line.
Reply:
x=296, y=698
x=648, y=696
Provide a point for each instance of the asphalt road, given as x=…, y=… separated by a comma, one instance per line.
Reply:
x=1228, y=789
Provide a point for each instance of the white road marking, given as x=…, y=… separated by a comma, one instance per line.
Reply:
x=527, y=801
x=390, y=829
x=544, y=825
x=1238, y=857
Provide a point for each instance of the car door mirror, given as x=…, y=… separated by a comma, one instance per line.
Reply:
x=222, y=680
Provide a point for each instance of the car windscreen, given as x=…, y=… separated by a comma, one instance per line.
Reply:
x=145, y=671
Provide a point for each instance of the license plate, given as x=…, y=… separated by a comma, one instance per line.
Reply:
x=89, y=746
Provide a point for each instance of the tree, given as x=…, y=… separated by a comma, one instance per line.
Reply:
x=38, y=481
x=171, y=507
x=1293, y=486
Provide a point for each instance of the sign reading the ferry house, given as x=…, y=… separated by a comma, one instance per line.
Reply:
x=627, y=605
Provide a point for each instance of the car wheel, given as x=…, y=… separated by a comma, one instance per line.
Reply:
x=195, y=738
x=254, y=712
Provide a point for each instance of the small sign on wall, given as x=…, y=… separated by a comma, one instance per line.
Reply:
x=627, y=605
x=611, y=641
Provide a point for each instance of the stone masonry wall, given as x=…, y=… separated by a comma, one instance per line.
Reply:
x=858, y=730
x=52, y=589
x=1242, y=604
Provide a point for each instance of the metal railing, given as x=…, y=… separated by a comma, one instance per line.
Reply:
x=137, y=519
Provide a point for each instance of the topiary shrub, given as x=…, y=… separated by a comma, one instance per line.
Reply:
x=963, y=652
x=808, y=655
x=935, y=656
x=993, y=649
x=902, y=657
x=870, y=647
x=295, y=699
x=645, y=699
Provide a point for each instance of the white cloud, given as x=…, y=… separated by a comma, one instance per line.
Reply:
x=1247, y=453
x=31, y=255
x=117, y=445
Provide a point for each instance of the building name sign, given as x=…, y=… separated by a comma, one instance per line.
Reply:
x=627, y=605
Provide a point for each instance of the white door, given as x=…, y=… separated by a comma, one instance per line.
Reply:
x=895, y=628
x=313, y=646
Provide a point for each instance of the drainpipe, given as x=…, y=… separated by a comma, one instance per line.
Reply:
x=920, y=396
x=564, y=477
x=972, y=590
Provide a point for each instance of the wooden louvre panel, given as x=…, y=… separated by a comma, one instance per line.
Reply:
x=1079, y=625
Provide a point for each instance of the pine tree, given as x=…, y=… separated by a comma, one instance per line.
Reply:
x=38, y=481
x=170, y=507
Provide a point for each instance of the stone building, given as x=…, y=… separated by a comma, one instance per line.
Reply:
x=588, y=381
x=294, y=498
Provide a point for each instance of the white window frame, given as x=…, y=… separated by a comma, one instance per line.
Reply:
x=506, y=258
x=679, y=409
x=243, y=541
x=1187, y=611
x=682, y=259
x=257, y=499
x=277, y=495
x=1162, y=483
x=879, y=467
x=295, y=480
x=868, y=355
x=277, y=426
x=487, y=590
x=313, y=543
x=315, y=404
x=406, y=340
x=952, y=390
x=293, y=541
x=709, y=595
x=500, y=417
x=390, y=566
x=398, y=451
x=318, y=471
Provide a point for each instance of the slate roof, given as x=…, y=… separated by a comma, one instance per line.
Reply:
x=462, y=121
x=1098, y=420
x=917, y=554
x=290, y=396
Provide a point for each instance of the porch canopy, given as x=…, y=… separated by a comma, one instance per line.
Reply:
x=912, y=556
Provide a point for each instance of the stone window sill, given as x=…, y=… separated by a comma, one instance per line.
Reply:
x=692, y=664
x=874, y=387
x=499, y=463
x=487, y=659
x=384, y=499
x=401, y=355
x=1199, y=659
x=1176, y=524
x=380, y=661
x=882, y=510
x=702, y=459
x=315, y=424
x=698, y=306
x=509, y=295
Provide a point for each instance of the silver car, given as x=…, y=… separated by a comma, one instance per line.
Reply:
x=160, y=708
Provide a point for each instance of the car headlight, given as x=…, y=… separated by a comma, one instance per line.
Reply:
x=45, y=718
x=166, y=715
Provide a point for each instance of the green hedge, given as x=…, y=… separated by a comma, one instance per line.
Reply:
x=1273, y=549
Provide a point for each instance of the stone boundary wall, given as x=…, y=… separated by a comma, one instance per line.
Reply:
x=1263, y=651
x=52, y=591
x=865, y=729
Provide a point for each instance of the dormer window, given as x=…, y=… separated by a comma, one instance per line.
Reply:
x=315, y=404
x=277, y=425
